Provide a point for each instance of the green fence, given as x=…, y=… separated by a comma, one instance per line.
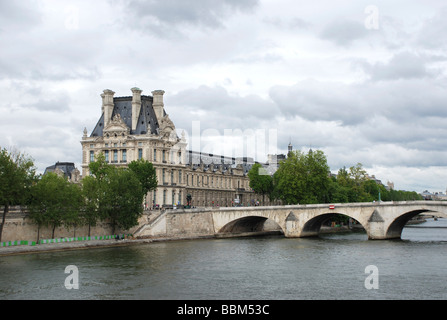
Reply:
x=17, y=243
x=59, y=240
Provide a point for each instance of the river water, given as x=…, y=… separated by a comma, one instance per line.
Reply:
x=331, y=266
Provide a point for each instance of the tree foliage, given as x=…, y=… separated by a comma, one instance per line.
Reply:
x=302, y=178
x=260, y=181
x=55, y=202
x=17, y=174
x=145, y=172
x=305, y=179
x=354, y=185
x=122, y=200
x=89, y=213
x=108, y=194
x=116, y=194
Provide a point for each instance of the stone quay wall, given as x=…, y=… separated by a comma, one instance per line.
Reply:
x=19, y=227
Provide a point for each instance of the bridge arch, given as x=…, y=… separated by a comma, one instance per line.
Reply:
x=395, y=228
x=312, y=226
x=248, y=224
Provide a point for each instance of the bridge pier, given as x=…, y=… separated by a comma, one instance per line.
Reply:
x=375, y=228
x=292, y=229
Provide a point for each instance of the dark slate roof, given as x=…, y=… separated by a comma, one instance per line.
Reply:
x=123, y=107
x=66, y=167
x=218, y=162
x=195, y=157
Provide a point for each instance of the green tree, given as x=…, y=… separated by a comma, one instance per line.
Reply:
x=303, y=178
x=115, y=194
x=100, y=168
x=17, y=173
x=400, y=195
x=145, y=172
x=317, y=175
x=376, y=191
x=260, y=181
x=356, y=184
x=123, y=198
x=95, y=188
x=55, y=202
x=89, y=213
x=337, y=192
x=359, y=177
x=71, y=217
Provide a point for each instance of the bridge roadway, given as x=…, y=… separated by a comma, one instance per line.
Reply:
x=381, y=220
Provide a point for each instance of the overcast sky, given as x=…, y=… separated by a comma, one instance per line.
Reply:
x=363, y=81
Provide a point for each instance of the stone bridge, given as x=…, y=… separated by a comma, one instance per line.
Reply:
x=381, y=220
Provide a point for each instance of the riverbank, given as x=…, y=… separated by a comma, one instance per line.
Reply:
x=90, y=244
x=87, y=244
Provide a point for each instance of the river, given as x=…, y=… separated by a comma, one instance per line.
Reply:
x=331, y=266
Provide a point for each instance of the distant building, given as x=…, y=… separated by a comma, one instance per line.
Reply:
x=66, y=169
x=433, y=195
x=373, y=177
x=440, y=196
x=273, y=161
x=427, y=195
x=389, y=186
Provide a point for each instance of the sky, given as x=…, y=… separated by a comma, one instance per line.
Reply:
x=363, y=81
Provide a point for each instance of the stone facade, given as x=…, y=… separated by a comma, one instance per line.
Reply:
x=19, y=227
x=137, y=127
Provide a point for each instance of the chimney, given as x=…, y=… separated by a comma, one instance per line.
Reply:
x=136, y=106
x=107, y=105
x=102, y=105
x=157, y=103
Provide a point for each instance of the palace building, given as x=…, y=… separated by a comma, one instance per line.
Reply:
x=137, y=126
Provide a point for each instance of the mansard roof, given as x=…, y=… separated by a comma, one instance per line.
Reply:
x=218, y=162
x=147, y=121
x=66, y=167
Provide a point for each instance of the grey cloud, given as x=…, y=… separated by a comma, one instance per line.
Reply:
x=60, y=103
x=402, y=65
x=391, y=123
x=218, y=100
x=343, y=32
x=258, y=58
x=165, y=18
x=402, y=100
x=216, y=109
x=18, y=16
x=296, y=23
x=57, y=73
x=31, y=98
x=316, y=100
x=431, y=34
x=61, y=55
